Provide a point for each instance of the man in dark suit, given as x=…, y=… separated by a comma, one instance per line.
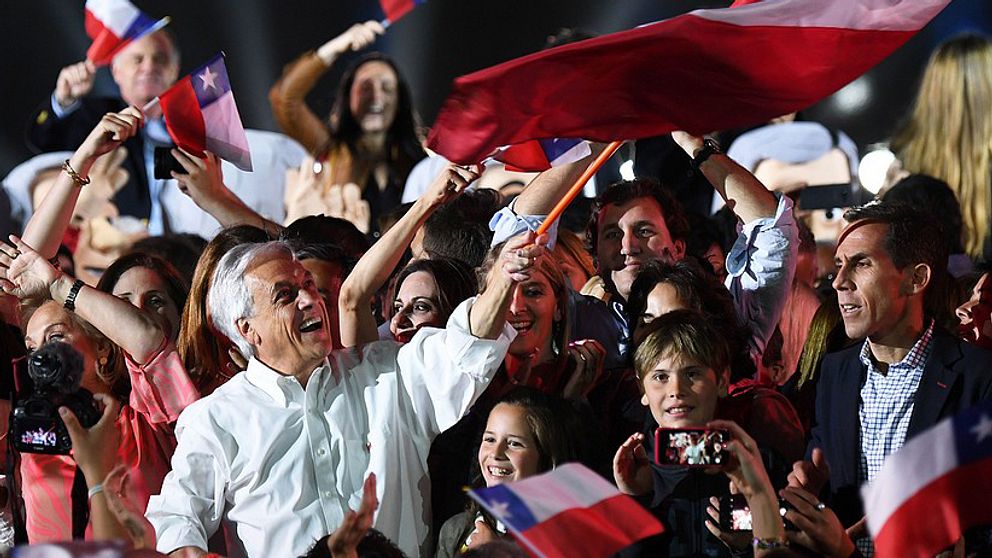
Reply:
x=908, y=374
x=142, y=70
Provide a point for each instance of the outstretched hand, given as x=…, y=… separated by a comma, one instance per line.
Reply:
x=631, y=467
x=343, y=542
x=23, y=272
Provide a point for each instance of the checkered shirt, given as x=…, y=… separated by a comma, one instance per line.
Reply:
x=886, y=408
x=887, y=404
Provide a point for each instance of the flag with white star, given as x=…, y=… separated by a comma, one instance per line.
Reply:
x=568, y=512
x=201, y=115
x=934, y=488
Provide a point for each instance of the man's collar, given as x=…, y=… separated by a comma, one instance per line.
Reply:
x=915, y=357
x=279, y=387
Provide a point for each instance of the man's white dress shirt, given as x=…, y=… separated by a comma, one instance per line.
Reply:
x=283, y=464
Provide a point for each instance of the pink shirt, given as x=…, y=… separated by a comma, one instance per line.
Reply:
x=160, y=390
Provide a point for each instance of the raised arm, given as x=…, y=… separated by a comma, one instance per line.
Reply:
x=515, y=264
x=47, y=226
x=374, y=268
x=25, y=274
x=203, y=182
x=745, y=195
x=288, y=95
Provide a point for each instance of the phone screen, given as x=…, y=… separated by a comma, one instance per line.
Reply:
x=691, y=447
x=735, y=515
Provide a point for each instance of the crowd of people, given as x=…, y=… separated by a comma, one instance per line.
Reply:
x=315, y=358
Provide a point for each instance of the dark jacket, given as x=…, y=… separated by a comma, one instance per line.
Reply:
x=956, y=376
x=47, y=133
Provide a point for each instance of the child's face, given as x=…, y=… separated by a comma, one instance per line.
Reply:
x=682, y=393
x=508, y=451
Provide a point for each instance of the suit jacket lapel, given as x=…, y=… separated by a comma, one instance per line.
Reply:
x=848, y=420
x=936, y=383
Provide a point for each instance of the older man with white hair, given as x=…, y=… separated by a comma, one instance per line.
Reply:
x=281, y=450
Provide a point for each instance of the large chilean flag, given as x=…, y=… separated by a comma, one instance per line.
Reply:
x=703, y=71
x=569, y=512
x=934, y=488
x=113, y=24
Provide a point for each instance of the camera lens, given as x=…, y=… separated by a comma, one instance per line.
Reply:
x=44, y=368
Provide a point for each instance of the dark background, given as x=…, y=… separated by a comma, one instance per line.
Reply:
x=433, y=44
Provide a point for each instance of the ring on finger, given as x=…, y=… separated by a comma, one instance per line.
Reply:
x=820, y=506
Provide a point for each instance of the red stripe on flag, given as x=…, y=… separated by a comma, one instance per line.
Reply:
x=687, y=73
x=599, y=530
x=105, y=44
x=183, y=117
x=935, y=517
x=93, y=25
x=395, y=9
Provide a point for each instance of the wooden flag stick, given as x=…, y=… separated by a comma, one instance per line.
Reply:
x=577, y=187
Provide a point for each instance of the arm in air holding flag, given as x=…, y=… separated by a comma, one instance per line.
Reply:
x=47, y=226
x=288, y=95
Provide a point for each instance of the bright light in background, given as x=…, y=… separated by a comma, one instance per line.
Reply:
x=854, y=96
x=627, y=170
x=873, y=168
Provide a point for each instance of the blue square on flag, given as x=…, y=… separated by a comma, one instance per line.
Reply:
x=211, y=82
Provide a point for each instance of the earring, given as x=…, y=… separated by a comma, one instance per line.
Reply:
x=102, y=361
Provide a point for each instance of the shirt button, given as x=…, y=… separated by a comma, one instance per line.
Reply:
x=321, y=451
x=327, y=493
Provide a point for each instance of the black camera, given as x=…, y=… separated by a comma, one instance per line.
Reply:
x=55, y=371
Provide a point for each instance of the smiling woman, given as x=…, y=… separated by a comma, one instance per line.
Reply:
x=370, y=137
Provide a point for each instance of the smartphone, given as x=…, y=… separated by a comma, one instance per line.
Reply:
x=690, y=447
x=165, y=163
x=829, y=196
x=736, y=516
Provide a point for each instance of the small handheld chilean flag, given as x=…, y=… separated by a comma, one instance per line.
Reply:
x=940, y=480
x=395, y=9
x=569, y=512
x=200, y=115
x=113, y=24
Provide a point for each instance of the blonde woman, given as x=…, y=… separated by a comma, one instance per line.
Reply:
x=948, y=135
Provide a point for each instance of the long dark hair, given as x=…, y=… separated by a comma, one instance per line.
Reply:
x=403, y=145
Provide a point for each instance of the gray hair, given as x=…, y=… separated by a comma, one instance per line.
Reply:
x=229, y=299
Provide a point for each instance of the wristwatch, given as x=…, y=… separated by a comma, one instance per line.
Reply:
x=710, y=147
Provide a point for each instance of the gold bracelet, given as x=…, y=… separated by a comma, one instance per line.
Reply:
x=79, y=180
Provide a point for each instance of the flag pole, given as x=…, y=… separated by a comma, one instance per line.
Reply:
x=149, y=105
x=577, y=187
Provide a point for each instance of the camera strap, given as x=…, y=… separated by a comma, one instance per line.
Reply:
x=80, y=505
